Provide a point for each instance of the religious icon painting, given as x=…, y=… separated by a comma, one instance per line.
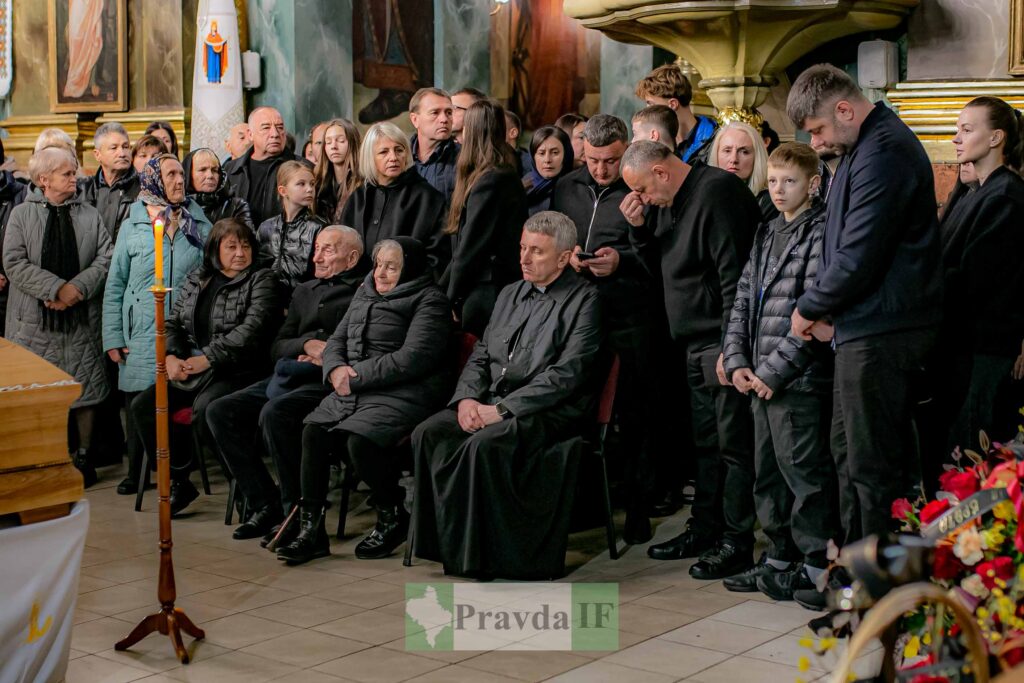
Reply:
x=88, y=55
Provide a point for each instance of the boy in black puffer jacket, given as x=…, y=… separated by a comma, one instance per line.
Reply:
x=791, y=380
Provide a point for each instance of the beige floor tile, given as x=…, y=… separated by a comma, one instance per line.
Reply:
x=606, y=672
x=198, y=612
x=449, y=657
x=83, y=615
x=457, y=673
x=87, y=584
x=720, y=636
x=366, y=593
x=124, y=571
x=635, y=587
x=155, y=653
x=118, y=599
x=787, y=651
x=305, y=611
x=671, y=659
x=747, y=669
x=378, y=665
x=99, y=634
x=303, y=581
x=718, y=588
x=305, y=648
x=187, y=581
x=75, y=654
x=367, y=627
x=93, y=556
x=93, y=669
x=241, y=630
x=776, y=617
x=526, y=666
x=361, y=569
x=308, y=676
x=695, y=602
x=193, y=555
x=243, y=568
x=233, y=667
x=421, y=572
x=649, y=621
x=243, y=596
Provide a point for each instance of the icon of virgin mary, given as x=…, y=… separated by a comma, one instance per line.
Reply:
x=215, y=56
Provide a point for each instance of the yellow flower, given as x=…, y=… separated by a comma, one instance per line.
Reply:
x=804, y=664
x=912, y=649
x=1004, y=511
x=827, y=644
x=808, y=643
x=994, y=537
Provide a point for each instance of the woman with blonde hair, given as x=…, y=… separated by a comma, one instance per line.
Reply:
x=485, y=220
x=337, y=170
x=739, y=149
x=394, y=199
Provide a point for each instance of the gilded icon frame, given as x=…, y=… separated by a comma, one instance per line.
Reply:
x=1016, y=66
x=107, y=86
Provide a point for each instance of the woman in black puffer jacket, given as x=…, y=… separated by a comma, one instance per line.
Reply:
x=206, y=183
x=218, y=336
x=387, y=362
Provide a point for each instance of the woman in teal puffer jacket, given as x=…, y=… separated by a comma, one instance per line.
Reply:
x=129, y=319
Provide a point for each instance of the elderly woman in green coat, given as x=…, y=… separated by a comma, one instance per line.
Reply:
x=129, y=319
x=56, y=254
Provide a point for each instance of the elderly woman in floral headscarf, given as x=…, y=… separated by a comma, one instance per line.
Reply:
x=129, y=321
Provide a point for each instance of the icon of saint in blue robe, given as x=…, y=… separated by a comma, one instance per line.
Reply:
x=215, y=55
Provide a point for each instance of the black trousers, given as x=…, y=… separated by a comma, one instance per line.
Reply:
x=633, y=404
x=873, y=439
x=723, y=503
x=246, y=425
x=144, y=411
x=795, y=488
x=376, y=466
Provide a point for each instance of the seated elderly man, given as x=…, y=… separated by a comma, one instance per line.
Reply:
x=267, y=416
x=495, y=472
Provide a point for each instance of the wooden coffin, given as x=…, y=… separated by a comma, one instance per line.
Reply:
x=37, y=479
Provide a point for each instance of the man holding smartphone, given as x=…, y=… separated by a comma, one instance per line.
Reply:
x=606, y=255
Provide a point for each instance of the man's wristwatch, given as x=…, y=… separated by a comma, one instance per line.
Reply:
x=503, y=412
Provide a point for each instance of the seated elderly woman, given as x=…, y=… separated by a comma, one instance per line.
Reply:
x=56, y=255
x=387, y=364
x=394, y=199
x=217, y=339
x=206, y=184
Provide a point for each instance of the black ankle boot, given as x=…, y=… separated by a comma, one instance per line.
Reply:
x=259, y=523
x=82, y=464
x=311, y=541
x=390, y=532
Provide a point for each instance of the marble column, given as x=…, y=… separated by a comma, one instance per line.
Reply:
x=306, y=49
x=462, y=52
x=622, y=65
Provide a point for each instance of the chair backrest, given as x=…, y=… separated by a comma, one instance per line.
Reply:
x=607, y=402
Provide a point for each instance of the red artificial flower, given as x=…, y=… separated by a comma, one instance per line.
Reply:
x=1000, y=567
x=1014, y=656
x=946, y=564
x=901, y=507
x=960, y=484
x=929, y=678
x=932, y=510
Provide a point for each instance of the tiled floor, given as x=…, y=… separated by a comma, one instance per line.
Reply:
x=339, y=618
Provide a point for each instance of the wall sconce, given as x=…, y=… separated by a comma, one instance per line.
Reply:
x=498, y=4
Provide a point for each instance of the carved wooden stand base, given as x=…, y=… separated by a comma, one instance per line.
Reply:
x=169, y=621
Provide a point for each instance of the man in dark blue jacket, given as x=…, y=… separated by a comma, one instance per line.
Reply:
x=879, y=283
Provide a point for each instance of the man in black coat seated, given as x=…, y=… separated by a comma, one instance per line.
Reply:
x=590, y=196
x=267, y=416
x=495, y=472
x=253, y=176
x=700, y=233
x=879, y=283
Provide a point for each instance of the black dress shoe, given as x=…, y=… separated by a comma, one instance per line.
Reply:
x=669, y=505
x=782, y=585
x=813, y=599
x=726, y=559
x=746, y=582
x=182, y=494
x=261, y=522
x=637, y=529
x=690, y=543
x=82, y=463
x=128, y=487
x=389, y=533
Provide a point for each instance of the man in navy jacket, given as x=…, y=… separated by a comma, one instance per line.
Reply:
x=879, y=285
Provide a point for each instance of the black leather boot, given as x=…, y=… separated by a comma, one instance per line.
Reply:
x=82, y=464
x=390, y=532
x=261, y=522
x=311, y=541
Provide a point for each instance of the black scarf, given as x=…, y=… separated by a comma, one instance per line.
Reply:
x=60, y=257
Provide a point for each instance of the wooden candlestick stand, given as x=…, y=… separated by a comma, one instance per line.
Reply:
x=169, y=621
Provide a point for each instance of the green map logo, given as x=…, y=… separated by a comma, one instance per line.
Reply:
x=524, y=616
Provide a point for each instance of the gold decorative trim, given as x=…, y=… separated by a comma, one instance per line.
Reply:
x=22, y=132
x=931, y=108
x=1016, y=66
